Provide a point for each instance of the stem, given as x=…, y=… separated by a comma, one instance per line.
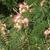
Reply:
x=14, y=10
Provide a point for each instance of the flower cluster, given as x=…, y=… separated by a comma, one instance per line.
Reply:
x=23, y=7
x=20, y=22
x=18, y=19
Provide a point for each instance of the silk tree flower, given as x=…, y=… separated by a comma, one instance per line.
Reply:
x=17, y=21
x=47, y=32
x=23, y=7
x=16, y=17
x=25, y=22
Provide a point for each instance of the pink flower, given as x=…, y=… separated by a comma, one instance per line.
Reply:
x=16, y=17
x=47, y=32
x=22, y=5
x=25, y=22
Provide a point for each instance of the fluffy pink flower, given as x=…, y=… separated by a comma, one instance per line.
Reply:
x=25, y=22
x=47, y=32
x=22, y=5
x=16, y=17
